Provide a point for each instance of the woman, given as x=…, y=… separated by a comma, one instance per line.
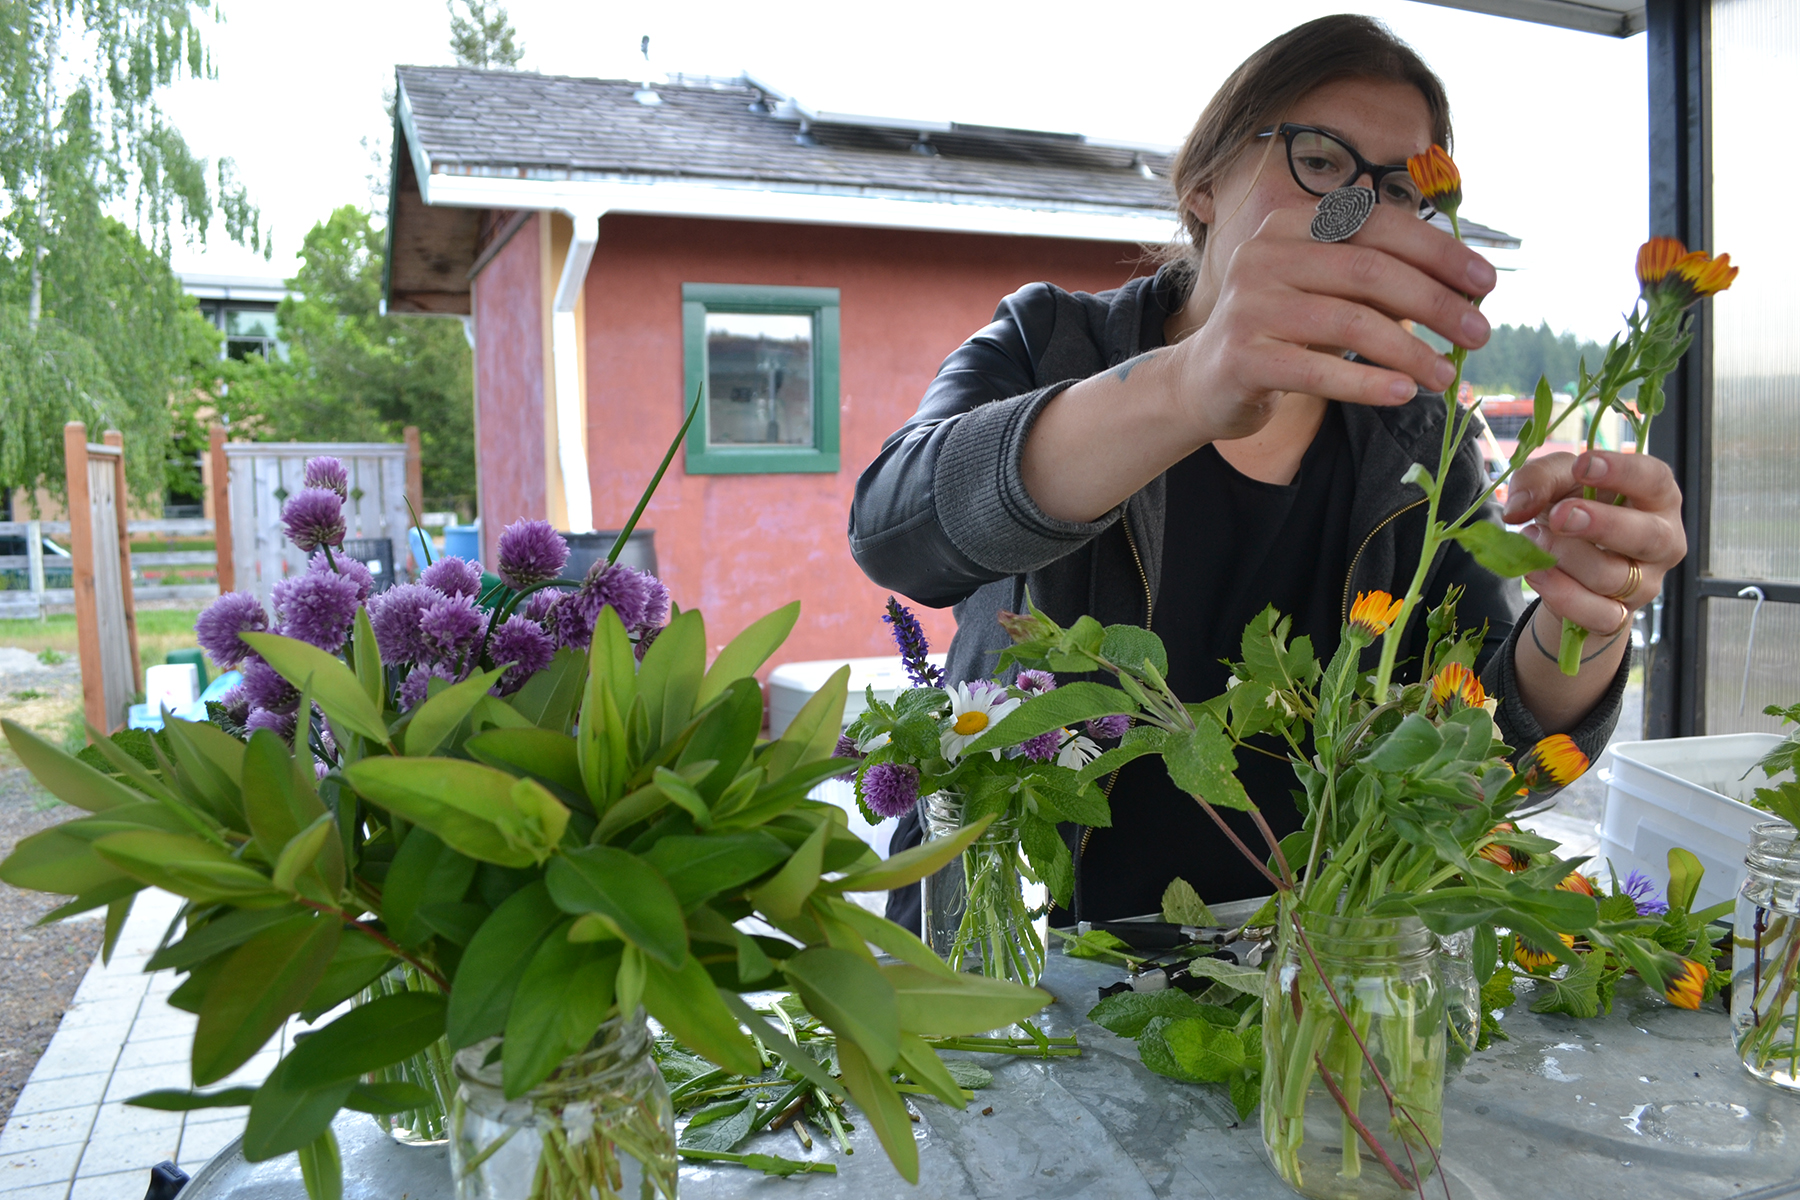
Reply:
x=1192, y=447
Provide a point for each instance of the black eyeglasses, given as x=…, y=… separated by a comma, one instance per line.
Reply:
x=1322, y=162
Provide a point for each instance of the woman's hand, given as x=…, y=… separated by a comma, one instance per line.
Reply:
x=1289, y=307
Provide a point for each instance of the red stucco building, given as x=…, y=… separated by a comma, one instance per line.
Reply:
x=616, y=248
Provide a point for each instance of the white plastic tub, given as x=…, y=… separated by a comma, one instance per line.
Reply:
x=792, y=685
x=1686, y=792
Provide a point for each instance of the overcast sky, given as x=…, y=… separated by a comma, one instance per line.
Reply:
x=1550, y=124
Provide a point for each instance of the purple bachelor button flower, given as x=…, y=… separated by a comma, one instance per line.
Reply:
x=453, y=577
x=1036, y=683
x=264, y=688
x=353, y=569
x=1043, y=747
x=909, y=636
x=891, y=789
x=218, y=627
x=317, y=608
x=531, y=552
x=313, y=517
x=281, y=724
x=395, y=614
x=1642, y=890
x=414, y=688
x=450, y=627
x=522, y=642
x=328, y=473
x=1109, y=727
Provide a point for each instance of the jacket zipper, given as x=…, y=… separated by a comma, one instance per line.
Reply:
x=1112, y=780
x=1350, y=575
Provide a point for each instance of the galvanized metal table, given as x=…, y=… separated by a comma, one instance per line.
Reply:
x=1647, y=1103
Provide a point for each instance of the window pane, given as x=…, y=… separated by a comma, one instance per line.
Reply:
x=1735, y=699
x=759, y=379
x=240, y=322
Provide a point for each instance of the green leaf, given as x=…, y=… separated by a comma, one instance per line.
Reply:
x=1685, y=872
x=262, y=984
x=387, y=1099
x=683, y=794
x=1060, y=792
x=225, y=932
x=627, y=891
x=276, y=807
x=176, y=1100
x=302, y=852
x=369, y=670
x=548, y=698
x=814, y=731
x=424, y=871
x=563, y=996
x=772, y=1036
x=1130, y=646
x=184, y=865
x=322, y=1168
x=490, y=967
x=1543, y=403
x=336, y=691
x=925, y=1068
x=910, y=866
x=1204, y=1051
x=748, y=651
x=1137, y=742
x=1182, y=905
x=284, y=1118
x=1127, y=1013
x=59, y=860
x=720, y=1126
x=1201, y=764
x=848, y=993
x=901, y=943
x=669, y=679
x=377, y=1034
x=726, y=735
x=542, y=753
x=359, y=961
x=1245, y=1088
x=1504, y=553
x=69, y=780
x=1248, y=980
x=468, y=805
x=933, y=1004
x=1049, y=857
x=1410, y=744
x=1577, y=992
x=881, y=1104
x=1068, y=705
x=695, y=1013
x=782, y=896
x=438, y=717
x=698, y=868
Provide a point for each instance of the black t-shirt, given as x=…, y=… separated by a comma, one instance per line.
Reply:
x=1232, y=546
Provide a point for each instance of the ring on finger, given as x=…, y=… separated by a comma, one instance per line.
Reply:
x=1624, y=617
x=1634, y=579
x=1342, y=213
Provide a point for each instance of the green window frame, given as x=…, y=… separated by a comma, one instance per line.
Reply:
x=701, y=457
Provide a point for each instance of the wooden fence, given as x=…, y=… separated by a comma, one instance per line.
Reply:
x=100, y=552
x=39, y=564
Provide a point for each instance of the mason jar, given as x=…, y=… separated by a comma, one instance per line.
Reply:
x=1765, y=957
x=984, y=911
x=600, y=1126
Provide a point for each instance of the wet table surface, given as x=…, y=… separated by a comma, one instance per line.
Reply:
x=1648, y=1103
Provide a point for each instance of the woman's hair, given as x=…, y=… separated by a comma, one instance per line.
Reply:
x=1258, y=95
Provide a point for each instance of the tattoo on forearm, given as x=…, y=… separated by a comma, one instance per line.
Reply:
x=1122, y=372
x=1551, y=654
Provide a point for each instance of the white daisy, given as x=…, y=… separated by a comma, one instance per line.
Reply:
x=874, y=741
x=1078, y=752
x=973, y=711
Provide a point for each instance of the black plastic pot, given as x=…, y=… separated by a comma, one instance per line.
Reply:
x=586, y=549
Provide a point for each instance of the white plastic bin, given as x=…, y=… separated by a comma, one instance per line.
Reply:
x=792, y=685
x=1685, y=792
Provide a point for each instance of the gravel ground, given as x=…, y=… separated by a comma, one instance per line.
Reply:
x=39, y=967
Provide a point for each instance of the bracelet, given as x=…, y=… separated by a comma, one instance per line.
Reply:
x=1584, y=662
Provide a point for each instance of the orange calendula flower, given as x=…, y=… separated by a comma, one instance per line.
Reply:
x=1554, y=762
x=1505, y=857
x=1688, y=986
x=1437, y=177
x=1459, y=684
x=1672, y=276
x=1577, y=882
x=1373, y=612
x=1532, y=957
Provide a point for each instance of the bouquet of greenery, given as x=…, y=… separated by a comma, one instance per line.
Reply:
x=1408, y=800
x=929, y=742
x=527, y=813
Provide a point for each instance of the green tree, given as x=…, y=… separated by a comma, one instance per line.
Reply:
x=1516, y=356
x=93, y=325
x=482, y=36
x=353, y=374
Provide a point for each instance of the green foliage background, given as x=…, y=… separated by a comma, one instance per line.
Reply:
x=1517, y=355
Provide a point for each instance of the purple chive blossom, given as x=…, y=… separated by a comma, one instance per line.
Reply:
x=629, y=592
x=1036, y=683
x=395, y=614
x=317, y=608
x=416, y=685
x=313, y=517
x=656, y=604
x=450, y=627
x=280, y=724
x=1043, y=747
x=1108, y=727
x=224, y=619
x=353, y=569
x=328, y=473
x=891, y=789
x=453, y=577
x=531, y=552
x=522, y=642
x=236, y=707
x=910, y=637
x=541, y=606
x=264, y=688
x=1642, y=890
x=846, y=749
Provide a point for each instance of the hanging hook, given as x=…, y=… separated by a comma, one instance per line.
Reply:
x=1749, y=642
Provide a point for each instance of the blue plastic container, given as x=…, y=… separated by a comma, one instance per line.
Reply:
x=462, y=541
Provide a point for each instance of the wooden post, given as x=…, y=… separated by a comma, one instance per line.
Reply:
x=113, y=437
x=415, y=486
x=81, y=562
x=221, y=505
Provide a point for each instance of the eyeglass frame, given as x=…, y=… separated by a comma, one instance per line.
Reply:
x=1375, y=171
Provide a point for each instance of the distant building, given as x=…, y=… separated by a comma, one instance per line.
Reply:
x=619, y=247
x=243, y=309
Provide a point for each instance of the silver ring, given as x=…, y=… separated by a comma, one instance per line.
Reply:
x=1342, y=213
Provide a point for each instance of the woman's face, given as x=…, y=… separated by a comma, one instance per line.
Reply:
x=1386, y=121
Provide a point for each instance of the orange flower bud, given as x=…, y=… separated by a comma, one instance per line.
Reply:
x=1553, y=763
x=1459, y=684
x=1672, y=276
x=1437, y=177
x=1532, y=957
x=1374, y=612
x=1505, y=857
x=1577, y=882
x=1688, y=987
